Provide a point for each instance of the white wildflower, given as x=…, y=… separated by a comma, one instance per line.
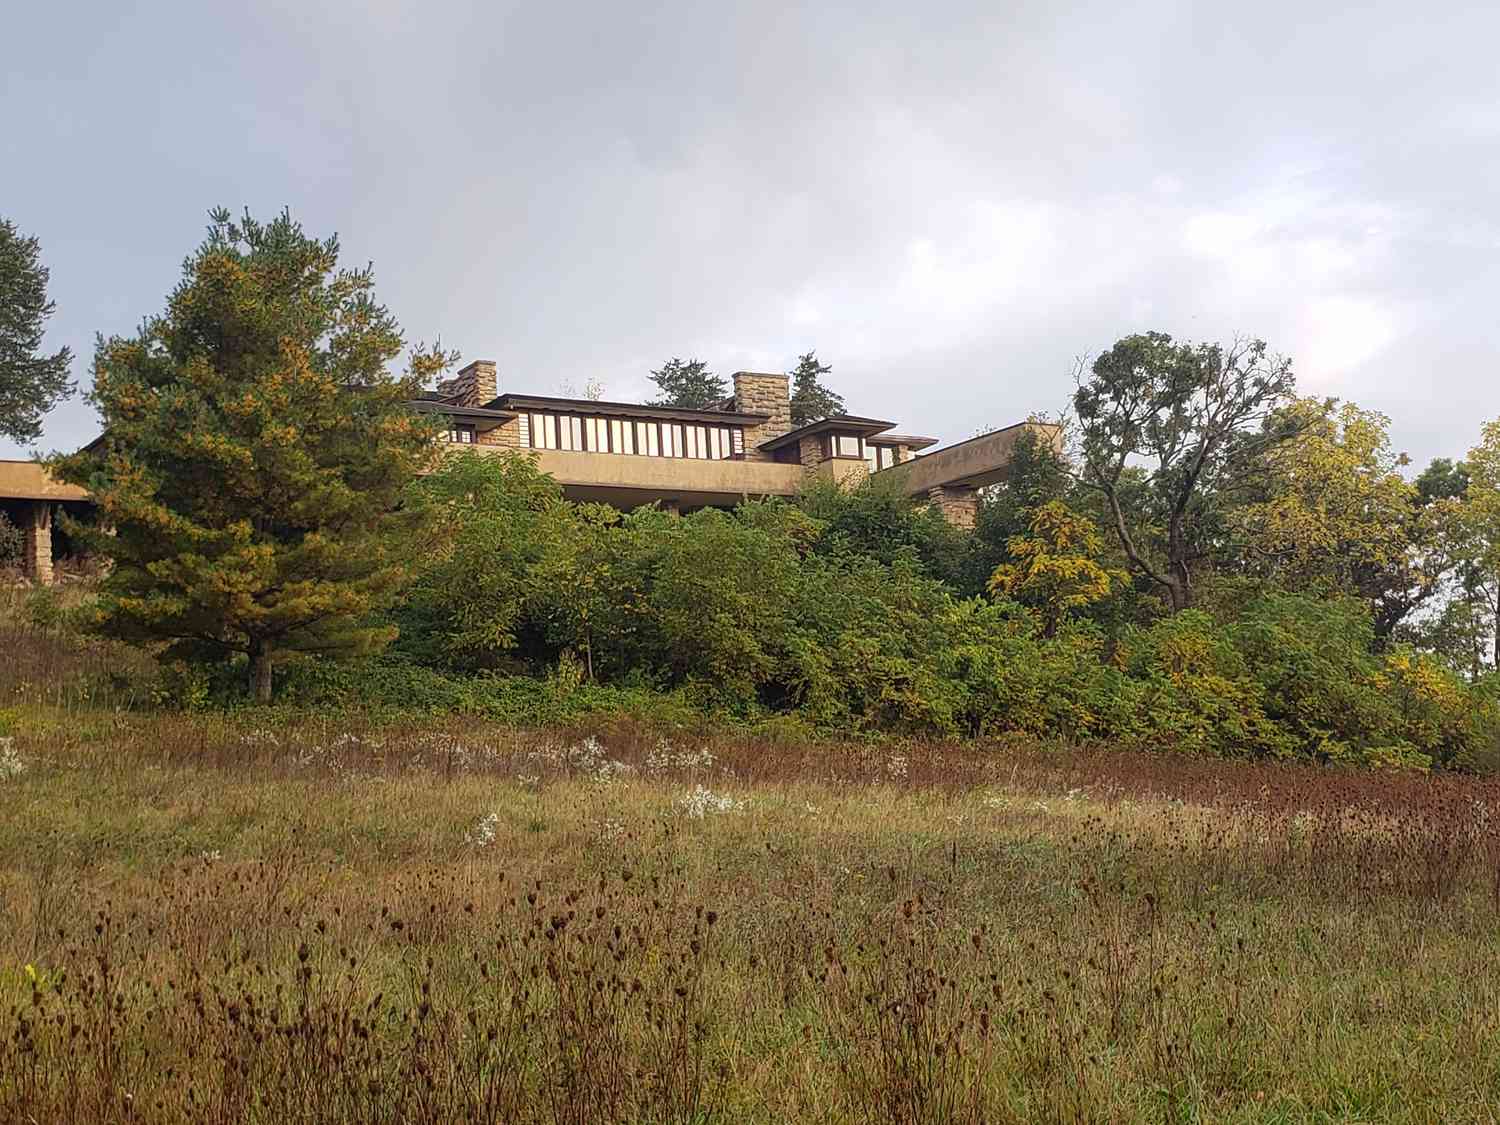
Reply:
x=703, y=801
x=483, y=833
x=589, y=757
x=11, y=763
x=895, y=767
x=664, y=756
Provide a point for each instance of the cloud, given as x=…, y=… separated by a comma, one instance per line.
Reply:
x=950, y=202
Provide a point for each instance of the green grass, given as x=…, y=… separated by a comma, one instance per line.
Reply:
x=917, y=933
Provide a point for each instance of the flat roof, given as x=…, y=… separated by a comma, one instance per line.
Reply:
x=30, y=480
x=912, y=441
x=515, y=402
x=476, y=414
x=846, y=422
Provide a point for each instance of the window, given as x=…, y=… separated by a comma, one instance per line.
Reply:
x=541, y=433
x=847, y=445
x=461, y=432
x=621, y=435
x=880, y=456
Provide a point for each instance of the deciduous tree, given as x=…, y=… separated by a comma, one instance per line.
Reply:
x=1055, y=565
x=1334, y=511
x=1191, y=416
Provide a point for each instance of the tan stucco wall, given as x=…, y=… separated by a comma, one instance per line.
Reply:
x=976, y=462
x=844, y=471
x=671, y=476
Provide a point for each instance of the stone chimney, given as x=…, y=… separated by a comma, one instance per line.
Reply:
x=475, y=385
x=760, y=393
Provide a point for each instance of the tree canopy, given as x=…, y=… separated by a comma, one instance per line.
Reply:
x=811, y=400
x=689, y=384
x=31, y=382
x=1192, y=419
x=257, y=456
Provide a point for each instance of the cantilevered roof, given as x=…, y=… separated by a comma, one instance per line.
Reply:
x=844, y=423
x=28, y=480
x=911, y=441
x=483, y=417
x=518, y=403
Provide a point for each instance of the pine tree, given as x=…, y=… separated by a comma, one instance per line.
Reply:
x=689, y=384
x=811, y=400
x=30, y=384
x=257, y=455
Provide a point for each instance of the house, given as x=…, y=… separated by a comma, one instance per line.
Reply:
x=30, y=498
x=629, y=454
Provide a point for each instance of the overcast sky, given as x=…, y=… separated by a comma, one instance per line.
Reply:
x=950, y=202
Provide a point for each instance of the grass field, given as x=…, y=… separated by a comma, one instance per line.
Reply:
x=208, y=921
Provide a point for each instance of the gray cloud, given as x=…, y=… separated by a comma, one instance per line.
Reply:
x=950, y=202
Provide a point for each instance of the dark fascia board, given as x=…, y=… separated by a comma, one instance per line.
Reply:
x=865, y=427
x=911, y=441
x=482, y=417
x=519, y=403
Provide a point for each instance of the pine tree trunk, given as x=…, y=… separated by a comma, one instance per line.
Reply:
x=260, y=670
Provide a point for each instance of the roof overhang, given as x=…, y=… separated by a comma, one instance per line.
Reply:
x=839, y=423
x=30, y=480
x=481, y=417
x=911, y=441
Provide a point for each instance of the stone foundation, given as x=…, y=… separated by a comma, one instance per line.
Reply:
x=36, y=556
x=959, y=504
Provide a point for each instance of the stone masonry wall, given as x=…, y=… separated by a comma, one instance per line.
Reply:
x=958, y=504
x=506, y=435
x=475, y=385
x=810, y=451
x=36, y=557
x=760, y=393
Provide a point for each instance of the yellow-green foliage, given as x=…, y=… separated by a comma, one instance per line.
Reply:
x=1055, y=567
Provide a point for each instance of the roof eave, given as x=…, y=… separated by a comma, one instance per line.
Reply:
x=866, y=427
x=520, y=403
